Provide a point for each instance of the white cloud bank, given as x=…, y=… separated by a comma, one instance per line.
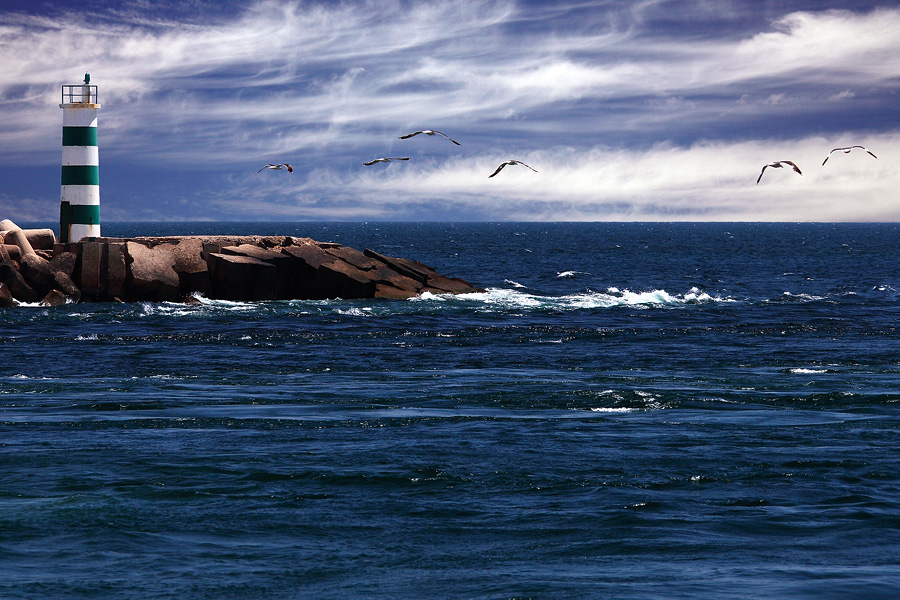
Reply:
x=708, y=181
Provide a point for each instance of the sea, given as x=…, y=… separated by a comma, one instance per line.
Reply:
x=627, y=410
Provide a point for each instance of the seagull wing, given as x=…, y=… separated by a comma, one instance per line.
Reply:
x=870, y=152
x=448, y=137
x=795, y=167
x=269, y=166
x=500, y=168
x=289, y=168
x=761, y=173
x=409, y=135
x=372, y=162
x=519, y=162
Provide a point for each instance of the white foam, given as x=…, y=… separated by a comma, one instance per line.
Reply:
x=502, y=298
x=802, y=371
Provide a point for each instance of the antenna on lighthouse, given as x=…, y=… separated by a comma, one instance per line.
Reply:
x=79, y=205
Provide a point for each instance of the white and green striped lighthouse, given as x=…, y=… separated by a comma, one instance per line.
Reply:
x=79, y=206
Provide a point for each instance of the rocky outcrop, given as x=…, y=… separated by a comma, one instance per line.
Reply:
x=243, y=268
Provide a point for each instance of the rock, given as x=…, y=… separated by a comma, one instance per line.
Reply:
x=54, y=298
x=192, y=269
x=6, y=297
x=234, y=277
x=17, y=285
x=354, y=257
x=399, y=265
x=91, y=266
x=17, y=237
x=340, y=279
x=431, y=280
x=38, y=272
x=65, y=262
x=228, y=267
x=325, y=273
x=113, y=277
x=40, y=239
x=64, y=284
x=284, y=266
x=13, y=251
x=308, y=258
x=151, y=273
x=391, y=284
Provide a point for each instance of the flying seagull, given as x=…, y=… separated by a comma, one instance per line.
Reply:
x=777, y=165
x=509, y=162
x=386, y=159
x=281, y=167
x=846, y=150
x=429, y=132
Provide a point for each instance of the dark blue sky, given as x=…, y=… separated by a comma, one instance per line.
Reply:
x=648, y=110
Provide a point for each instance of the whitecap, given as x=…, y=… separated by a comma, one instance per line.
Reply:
x=91, y=337
x=502, y=298
x=515, y=284
x=805, y=371
x=355, y=311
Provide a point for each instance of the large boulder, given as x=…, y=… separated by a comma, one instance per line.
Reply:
x=17, y=237
x=17, y=285
x=151, y=273
x=65, y=261
x=63, y=283
x=54, y=298
x=90, y=268
x=308, y=258
x=13, y=251
x=6, y=297
x=40, y=239
x=115, y=273
x=192, y=268
x=284, y=266
x=234, y=277
x=340, y=279
x=38, y=272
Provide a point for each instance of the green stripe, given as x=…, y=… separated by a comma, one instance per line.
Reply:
x=85, y=214
x=79, y=136
x=80, y=175
x=65, y=218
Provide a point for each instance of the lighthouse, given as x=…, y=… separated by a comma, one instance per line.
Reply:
x=79, y=205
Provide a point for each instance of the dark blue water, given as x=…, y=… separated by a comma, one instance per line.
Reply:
x=627, y=411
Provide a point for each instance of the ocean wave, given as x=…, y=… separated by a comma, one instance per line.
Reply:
x=505, y=299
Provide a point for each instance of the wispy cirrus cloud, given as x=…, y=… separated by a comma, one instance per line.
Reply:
x=597, y=91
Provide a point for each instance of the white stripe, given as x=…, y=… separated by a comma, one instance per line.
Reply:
x=78, y=231
x=81, y=155
x=80, y=194
x=79, y=117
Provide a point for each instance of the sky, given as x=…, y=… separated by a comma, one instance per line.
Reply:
x=646, y=110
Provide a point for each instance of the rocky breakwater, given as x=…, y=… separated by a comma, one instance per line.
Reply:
x=35, y=268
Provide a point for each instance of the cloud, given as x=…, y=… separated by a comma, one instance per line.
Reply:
x=631, y=111
x=707, y=181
